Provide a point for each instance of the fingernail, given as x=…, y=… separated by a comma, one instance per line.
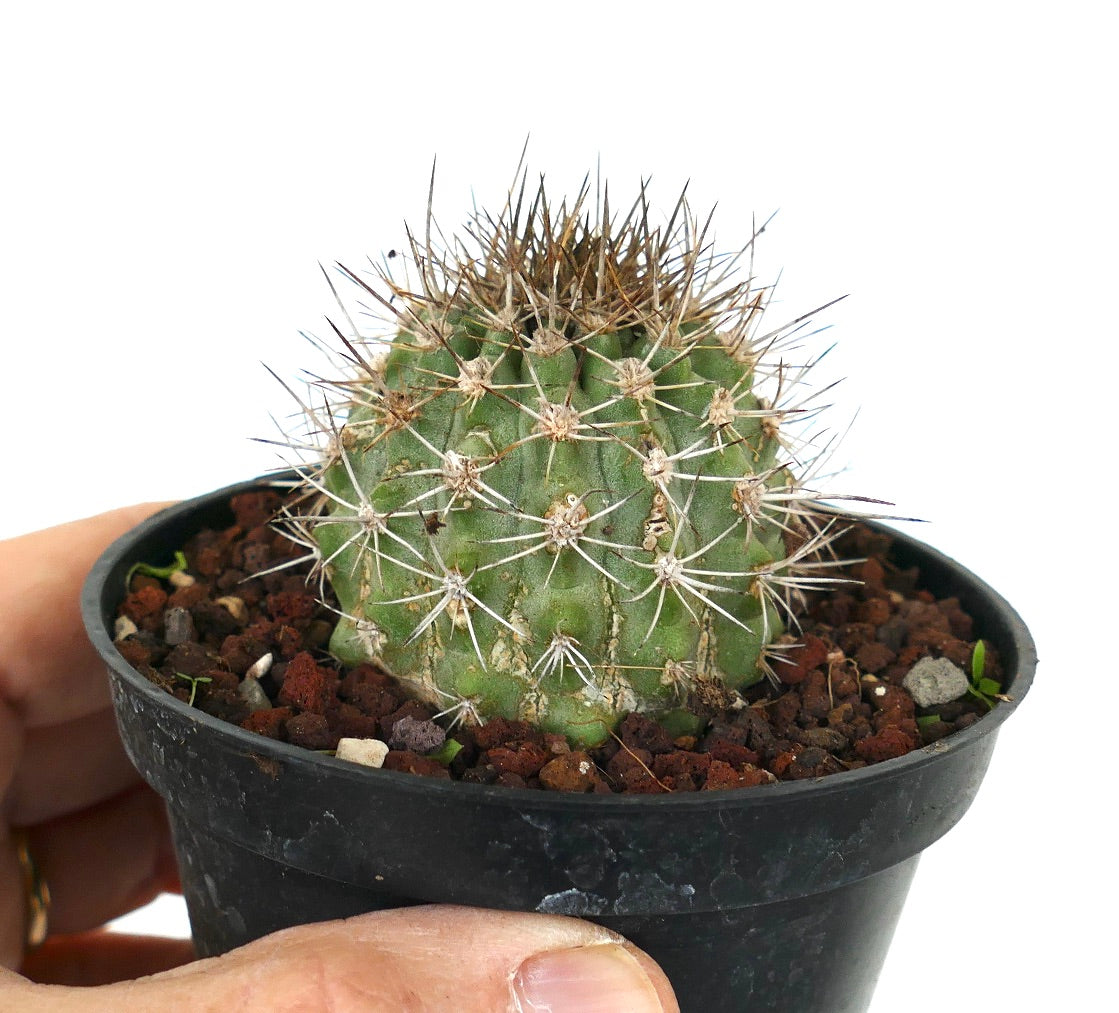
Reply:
x=587, y=979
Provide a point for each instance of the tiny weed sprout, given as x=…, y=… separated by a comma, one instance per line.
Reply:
x=575, y=475
x=161, y=572
x=447, y=752
x=194, y=680
x=978, y=661
x=981, y=687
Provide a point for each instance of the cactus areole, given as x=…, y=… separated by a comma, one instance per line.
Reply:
x=561, y=488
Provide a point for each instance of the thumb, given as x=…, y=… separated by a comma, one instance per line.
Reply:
x=417, y=959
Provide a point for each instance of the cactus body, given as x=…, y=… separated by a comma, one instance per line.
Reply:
x=555, y=492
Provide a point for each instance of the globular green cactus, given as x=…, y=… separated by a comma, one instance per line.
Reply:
x=556, y=491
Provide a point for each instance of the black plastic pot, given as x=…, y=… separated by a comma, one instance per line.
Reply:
x=782, y=897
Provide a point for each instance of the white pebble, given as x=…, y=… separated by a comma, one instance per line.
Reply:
x=235, y=607
x=122, y=628
x=260, y=667
x=369, y=752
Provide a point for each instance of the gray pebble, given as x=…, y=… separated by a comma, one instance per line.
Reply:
x=251, y=692
x=934, y=681
x=416, y=736
x=824, y=738
x=178, y=627
x=893, y=632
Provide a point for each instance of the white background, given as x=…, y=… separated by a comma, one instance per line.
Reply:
x=173, y=174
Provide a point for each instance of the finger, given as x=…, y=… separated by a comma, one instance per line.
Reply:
x=102, y=957
x=49, y=672
x=105, y=861
x=66, y=768
x=422, y=959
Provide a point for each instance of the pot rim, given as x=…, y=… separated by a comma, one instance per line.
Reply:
x=95, y=601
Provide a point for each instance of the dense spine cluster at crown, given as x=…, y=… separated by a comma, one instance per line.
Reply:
x=563, y=488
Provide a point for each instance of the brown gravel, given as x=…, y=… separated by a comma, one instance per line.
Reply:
x=839, y=705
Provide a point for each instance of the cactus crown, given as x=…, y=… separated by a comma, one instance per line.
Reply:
x=563, y=488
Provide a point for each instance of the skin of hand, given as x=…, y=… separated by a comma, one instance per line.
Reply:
x=100, y=838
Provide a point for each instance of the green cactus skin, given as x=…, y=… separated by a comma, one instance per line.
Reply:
x=555, y=493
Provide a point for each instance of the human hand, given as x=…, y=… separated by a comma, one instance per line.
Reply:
x=99, y=837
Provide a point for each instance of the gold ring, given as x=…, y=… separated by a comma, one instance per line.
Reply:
x=36, y=893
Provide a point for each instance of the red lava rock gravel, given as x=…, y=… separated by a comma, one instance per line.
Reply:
x=839, y=703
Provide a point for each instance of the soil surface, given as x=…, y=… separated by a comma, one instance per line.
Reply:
x=205, y=635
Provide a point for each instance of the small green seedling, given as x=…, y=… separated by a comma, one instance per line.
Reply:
x=446, y=752
x=149, y=570
x=927, y=719
x=194, y=680
x=983, y=688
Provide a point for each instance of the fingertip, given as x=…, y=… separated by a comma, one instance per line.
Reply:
x=663, y=987
x=494, y=950
x=600, y=978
